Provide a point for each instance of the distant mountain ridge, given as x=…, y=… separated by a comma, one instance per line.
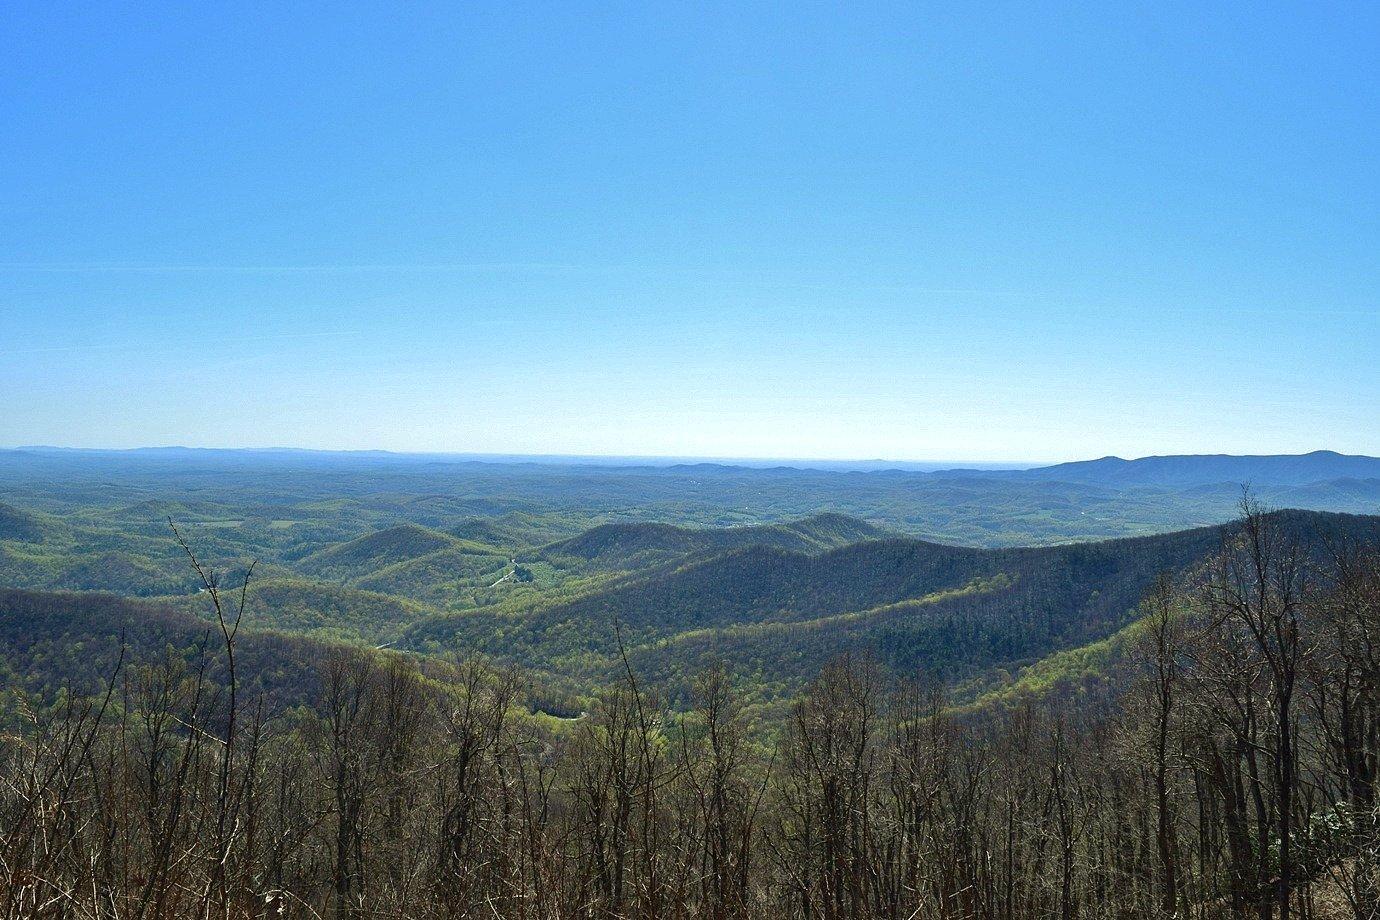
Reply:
x=1169, y=469
x=1188, y=470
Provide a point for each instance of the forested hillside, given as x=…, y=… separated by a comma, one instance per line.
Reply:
x=63, y=642
x=911, y=606
x=1229, y=767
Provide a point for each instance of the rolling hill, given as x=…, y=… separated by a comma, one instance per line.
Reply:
x=917, y=607
x=438, y=576
x=381, y=549
x=513, y=531
x=627, y=546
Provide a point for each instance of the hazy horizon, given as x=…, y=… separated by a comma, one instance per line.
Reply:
x=615, y=459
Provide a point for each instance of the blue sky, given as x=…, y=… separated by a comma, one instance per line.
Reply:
x=912, y=231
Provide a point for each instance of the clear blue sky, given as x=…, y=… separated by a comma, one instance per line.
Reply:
x=913, y=231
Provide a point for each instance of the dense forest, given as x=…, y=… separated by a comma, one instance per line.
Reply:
x=1231, y=770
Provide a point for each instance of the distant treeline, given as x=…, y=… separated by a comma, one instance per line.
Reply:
x=1235, y=775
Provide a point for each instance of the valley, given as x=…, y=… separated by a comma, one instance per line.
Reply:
x=549, y=567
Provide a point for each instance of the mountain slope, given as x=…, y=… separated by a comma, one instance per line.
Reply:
x=436, y=577
x=301, y=606
x=53, y=640
x=915, y=606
